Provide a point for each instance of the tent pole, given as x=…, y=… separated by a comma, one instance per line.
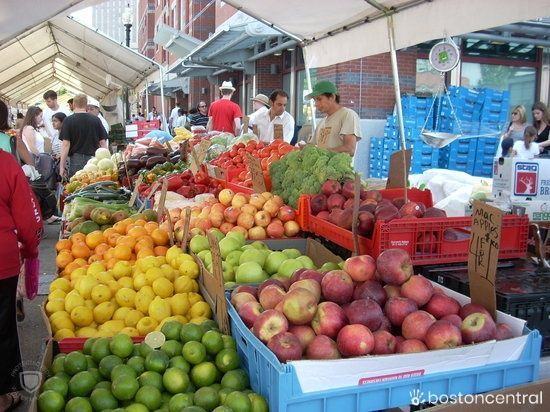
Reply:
x=310, y=88
x=397, y=91
x=146, y=98
x=163, y=125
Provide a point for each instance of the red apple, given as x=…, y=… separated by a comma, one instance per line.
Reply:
x=360, y=268
x=426, y=242
x=397, y=309
x=322, y=347
x=416, y=324
x=231, y=214
x=478, y=327
x=348, y=204
x=318, y=204
x=304, y=334
x=253, y=290
x=249, y=312
x=503, y=331
x=286, y=213
x=370, y=289
x=334, y=216
x=271, y=295
x=384, y=342
x=257, y=200
x=411, y=346
x=335, y=201
x=245, y=220
x=309, y=284
x=337, y=286
x=441, y=305
x=291, y=228
x=262, y=219
x=268, y=282
x=275, y=230
x=282, y=279
x=328, y=319
x=279, y=307
x=470, y=308
x=386, y=213
x=434, y=212
x=454, y=319
x=374, y=195
x=365, y=312
x=311, y=274
x=268, y=324
x=257, y=233
x=385, y=324
x=365, y=226
x=226, y=227
x=348, y=189
x=241, y=298
x=394, y=266
x=368, y=206
x=443, y=335
x=418, y=288
x=392, y=291
x=411, y=208
x=331, y=187
x=325, y=215
x=355, y=340
x=296, y=275
x=299, y=306
x=286, y=347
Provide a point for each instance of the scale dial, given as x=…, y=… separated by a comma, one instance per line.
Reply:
x=444, y=56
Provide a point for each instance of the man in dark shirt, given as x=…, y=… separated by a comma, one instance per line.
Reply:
x=81, y=135
x=200, y=118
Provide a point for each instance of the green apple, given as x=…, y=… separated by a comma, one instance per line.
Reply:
x=238, y=236
x=198, y=243
x=253, y=255
x=217, y=233
x=273, y=261
x=259, y=245
x=246, y=247
x=288, y=267
x=208, y=258
x=292, y=253
x=228, y=272
x=228, y=245
x=202, y=254
x=328, y=266
x=341, y=265
x=233, y=257
x=250, y=272
x=229, y=285
x=307, y=262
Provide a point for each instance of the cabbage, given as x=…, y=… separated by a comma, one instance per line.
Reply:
x=116, y=157
x=90, y=168
x=102, y=153
x=92, y=161
x=246, y=137
x=105, y=164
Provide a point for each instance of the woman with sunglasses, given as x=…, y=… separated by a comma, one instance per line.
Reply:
x=541, y=122
x=515, y=131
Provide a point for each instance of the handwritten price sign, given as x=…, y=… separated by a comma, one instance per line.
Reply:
x=198, y=154
x=257, y=174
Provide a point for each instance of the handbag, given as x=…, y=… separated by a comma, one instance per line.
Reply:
x=32, y=272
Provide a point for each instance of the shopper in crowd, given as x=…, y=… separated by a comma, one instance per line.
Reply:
x=340, y=130
x=19, y=121
x=200, y=116
x=93, y=108
x=541, y=121
x=225, y=115
x=181, y=119
x=52, y=107
x=9, y=143
x=506, y=147
x=20, y=231
x=57, y=122
x=153, y=114
x=81, y=134
x=526, y=149
x=174, y=114
x=276, y=114
x=260, y=105
x=517, y=124
x=32, y=137
x=71, y=107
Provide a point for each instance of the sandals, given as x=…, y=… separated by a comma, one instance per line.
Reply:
x=20, y=310
x=53, y=220
x=15, y=400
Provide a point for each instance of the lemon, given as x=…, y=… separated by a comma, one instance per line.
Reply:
x=198, y=320
x=77, y=274
x=168, y=272
x=194, y=298
x=72, y=300
x=60, y=283
x=146, y=263
x=82, y=316
x=200, y=309
x=103, y=312
x=159, y=309
x=190, y=269
x=101, y=293
x=57, y=294
x=86, y=332
x=179, y=304
x=84, y=286
x=180, y=318
x=121, y=313
x=89, y=303
x=126, y=282
x=144, y=298
x=183, y=284
x=126, y=297
x=133, y=318
x=121, y=269
x=172, y=253
x=140, y=281
x=60, y=314
x=113, y=285
x=130, y=331
x=63, y=333
x=61, y=323
x=103, y=333
x=104, y=277
x=114, y=326
x=163, y=287
x=146, y=325
x=55, y=305
x=95, y=268
x=153, y=274
x=161, y=260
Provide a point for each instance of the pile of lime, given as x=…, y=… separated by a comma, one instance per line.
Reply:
x=184, y=367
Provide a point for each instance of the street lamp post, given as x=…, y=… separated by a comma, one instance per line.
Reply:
x=127, y=22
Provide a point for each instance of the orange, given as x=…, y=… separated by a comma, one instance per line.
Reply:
x=95, y=258
x=70, y=267
x=95, y=238
x=137, y=232
x=80, y=250
x=145, y=242
x=63, y=244
x=140, y=222
x=109, y=254
x=123, y=252
x=78, y=237
x=81, y=262
x=160, y=250
x=101, y=249
x=120, y=227
x=126, y=240
x=151, y=226
x=145, y=252
x=109, y=231
x=111, y=263
x=160, y=237
x=111, y=240
x=63, y=259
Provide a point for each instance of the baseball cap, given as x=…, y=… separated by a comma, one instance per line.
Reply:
x=322, y=87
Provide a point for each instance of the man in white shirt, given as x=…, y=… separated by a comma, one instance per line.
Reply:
x=52, y=107
x=93, y=108
x=260, y=104
x=276, y=115
x=173, y=116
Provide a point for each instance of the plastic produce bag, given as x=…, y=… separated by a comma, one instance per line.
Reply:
x=159, y=135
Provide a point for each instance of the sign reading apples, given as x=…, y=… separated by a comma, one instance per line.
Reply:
x=483, y=254
x=257, y=174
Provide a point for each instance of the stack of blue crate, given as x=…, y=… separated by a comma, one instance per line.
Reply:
x=381, y=149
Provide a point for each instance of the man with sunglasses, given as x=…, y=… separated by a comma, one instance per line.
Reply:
x=201, y=117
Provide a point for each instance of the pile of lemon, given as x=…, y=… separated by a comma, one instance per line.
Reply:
x=134, y=299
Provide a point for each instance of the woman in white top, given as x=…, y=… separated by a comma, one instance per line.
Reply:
x=30, y=134
x=526, y=148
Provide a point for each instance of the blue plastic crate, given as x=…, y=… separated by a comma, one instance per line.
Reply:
x=279, y=384
x=484, y=170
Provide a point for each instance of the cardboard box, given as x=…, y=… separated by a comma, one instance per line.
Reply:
x=45, y=364
x=517, y=179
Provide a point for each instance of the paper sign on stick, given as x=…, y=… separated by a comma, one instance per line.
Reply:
x=162, y=200
x=135, y=191
x=152, y=192
x=278, y=131
x=399, y=172
x=257, y=174
x=355, y=218
x=483, y=254
x=198, y=154
x=255, y=129
x=246, y=119
x=186, y=222
x=215, y=287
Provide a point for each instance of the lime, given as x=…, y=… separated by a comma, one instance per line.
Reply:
x=102, y=399
x=157, y=361
x=58, y=364
x=57, y=384
x=82, y=384
x=190, y=332
x=78, y=405
x=172, y=348
x=209, y=325
x=136, y=351
x=238, y=402
x=100, y=349
x=137, y=363
x=91, y=361
x=216, y=386
x=150, y=378
x=204, y=374
x=223, y=392
x=103, y=385
x=155, y=339
x=180, y=362
x=124, y=387
x=236, y=379
x=136, y=407
x=144, y=349
x=259, y=404
x=227, y=359
x=171, y=330
x=212, y=341
x=120, y=370
x=96, y=374
x=121, y=345
x=191, y=388
x=107, y=364
x=180, y=401
x=75, y=362
x=193, y=409
x=194, y=352
x=149, y=396
x=206, y=398
x=64, y=376
x=87, y=348
x=222, y=408
x=175, y=380
x=166, y=399
x=229, y=342
x=51, y=401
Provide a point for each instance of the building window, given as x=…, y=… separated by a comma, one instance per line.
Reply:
x=428, y=80
x=303, y=107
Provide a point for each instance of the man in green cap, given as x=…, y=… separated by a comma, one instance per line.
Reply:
x=340, y=129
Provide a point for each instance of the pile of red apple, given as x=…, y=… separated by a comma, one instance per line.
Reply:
x=335, y=204
x=368, y=308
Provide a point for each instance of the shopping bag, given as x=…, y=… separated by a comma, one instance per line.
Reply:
x=32, y=271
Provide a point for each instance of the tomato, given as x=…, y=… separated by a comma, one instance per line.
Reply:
x=285, y=148
x=240, y=145
x=242, y=175
x=232, y=152
x=264, y=163
x=248, y=183
x=273, y=158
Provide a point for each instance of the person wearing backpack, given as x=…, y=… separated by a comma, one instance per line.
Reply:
x=9, y=142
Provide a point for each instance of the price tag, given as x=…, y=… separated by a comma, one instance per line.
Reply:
x=355, y=218
x=135, y=191
x=246, y=120
x=162, y=200
x=219, y=173
x=170, y=229
x=257, y=174
x=186, y=222
x=126, y=169
x=198, y=154
x=169, y=146
x=483, y=254
x=184, y=147
x=152, y=192
x=255, y=129
x=400, y=164
x=215, y=285
x=324, y=134
x=278, y=131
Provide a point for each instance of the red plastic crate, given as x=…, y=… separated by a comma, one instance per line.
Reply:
x=73, y=344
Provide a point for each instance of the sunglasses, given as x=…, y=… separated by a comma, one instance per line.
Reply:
x=202, y=106
x=515, y=113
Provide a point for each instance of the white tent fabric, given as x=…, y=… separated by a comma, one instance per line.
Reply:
x=64, y=52
x=338, y=31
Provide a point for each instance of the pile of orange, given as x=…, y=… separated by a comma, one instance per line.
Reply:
x=127, y=240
